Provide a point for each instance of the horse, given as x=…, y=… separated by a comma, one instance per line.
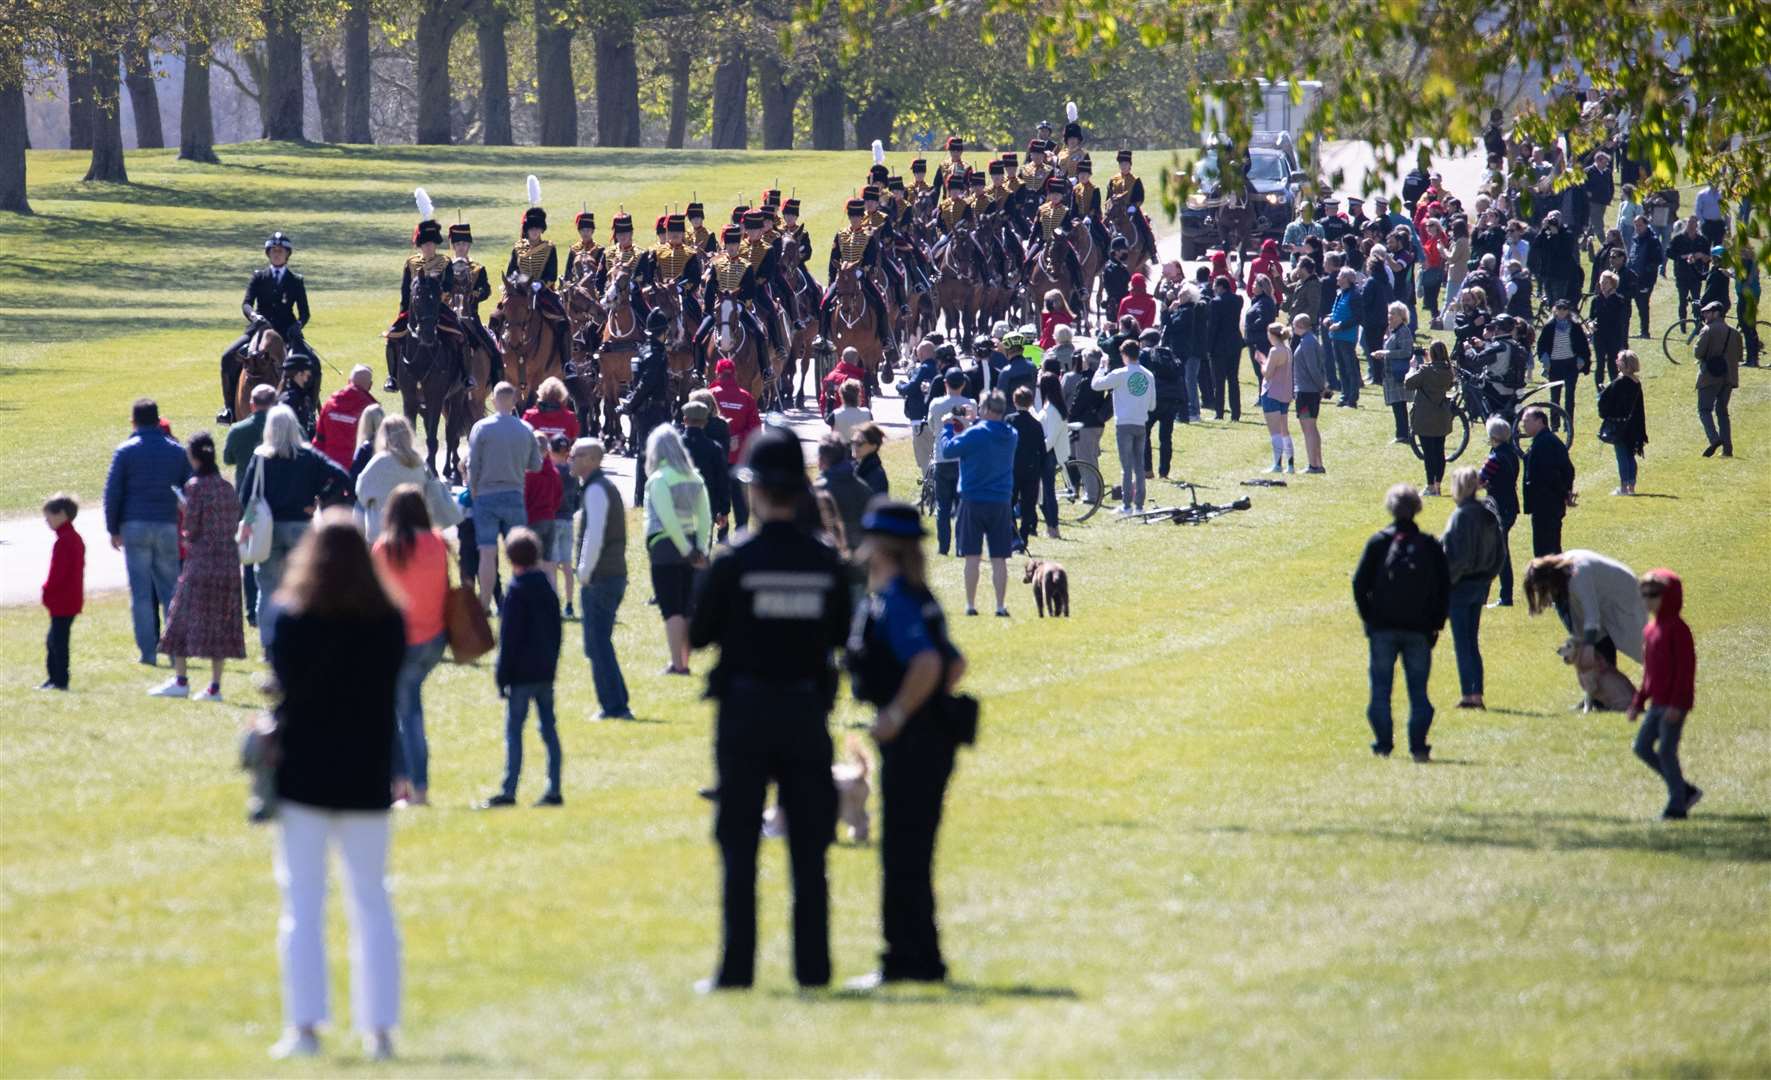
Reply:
x=624, y=332
x=585, y=315
x=958, y=291
x=801, y=305
x=464, y=407
x=732, y=340
x=678, y=340
x=429, y=359
x=1090, y=256
x=853, y=324
x=260, y=362
x=1049, y=272
x=1119, y=223
x=530, y=351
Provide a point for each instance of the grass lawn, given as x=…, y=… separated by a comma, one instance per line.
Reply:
x=1169, y=853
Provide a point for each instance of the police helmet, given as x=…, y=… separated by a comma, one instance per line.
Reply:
x=278, y=239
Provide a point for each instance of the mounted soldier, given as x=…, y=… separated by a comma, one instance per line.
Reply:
x=585, y=256
x=852, y=250
x=729, y=276
x=276, y=300
x=1053, y=246
x=1085, y=201
x=1126, y=192
x=760, y=255
x=1073, y=151
x=426, y=262
x=676, y=267
x=530, y=272
x=472, y=288
x=697, y=235
x=622, y=258
x=1034, y=174
x=954, y=165
x=920, y=187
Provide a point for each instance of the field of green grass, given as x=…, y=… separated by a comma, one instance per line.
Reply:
x=1169, y=853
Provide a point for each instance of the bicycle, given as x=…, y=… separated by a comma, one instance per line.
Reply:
x=1681, y=337
x=925, y=495
x=1468, y=402
x=1081, y=484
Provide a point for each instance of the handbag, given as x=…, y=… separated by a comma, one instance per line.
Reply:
x=253, y=537
x=260, y=749
x=440, y=501
x=464, y=620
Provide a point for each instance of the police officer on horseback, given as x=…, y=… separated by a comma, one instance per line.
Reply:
x=276, y=297
x=648, y=403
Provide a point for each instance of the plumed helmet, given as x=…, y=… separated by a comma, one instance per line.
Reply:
x=427, y=232
x=534, y=218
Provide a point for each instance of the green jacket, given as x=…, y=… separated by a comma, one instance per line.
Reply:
x=242, y=439
x=1431, y=414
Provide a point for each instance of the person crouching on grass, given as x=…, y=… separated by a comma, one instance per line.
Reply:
x=528, y=654
x=64, y=590
x=1669, y=681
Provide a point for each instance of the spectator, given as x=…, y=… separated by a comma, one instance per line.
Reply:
x=1622, y=422
x=1055, y=426
x=1401, y=588
x=851, y=414
x=1276, y=391
x=1343, y=337
x=1711, y=215
x=602, y=576
x=1029, y=465
x=542, y=493
x=947, y=469
x=1115, y=274
x=1225, y=337
x=242, y=439
x=916, y=388
x=1171, y=398
x=204, y=620
x=679, y=533
x=501, y=451
x=396, y=463
x=297, y=480
x=709, y=459
x=141, y=514
x=1596, y=598
x=413, y=560
x=1266, y=265
x=1375, y=319
x=1611, y=328
x=1686, y=250
x=1437, y=247
x=743, y=420
x=1139, y=304
x=1303, y=291
x=528, y=660
x=1500, y=477
x=1260, y=313
x=1134, y=394
x=64, y=590
x=1564, y=352
x=1555, y=259
x=1054, y=314
x=1431, y=415
x=1397, y=356
x=1181, y=334
x=1600, y=188
x=1628, y=211
x=563, y=556
x=836, y=478
x=869, y=466
x=1475, y=548
x=552, y=412
x=367, y=425
x=1718, y=351
x=335, y=432
x=986, y=454
x=1060, y=354
x=1309, y=384
x=334, y=770
x=1746, y=306
x=1548, y=482
x=1669, y=688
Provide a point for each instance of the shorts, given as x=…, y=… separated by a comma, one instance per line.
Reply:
x=561, y=550
x=1309, y=405
x=544, y=531
x=982, y=523
x=1269, y=405
x=496, y=514
x=673, y=584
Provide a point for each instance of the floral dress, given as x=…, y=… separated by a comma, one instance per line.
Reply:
x=206, y=620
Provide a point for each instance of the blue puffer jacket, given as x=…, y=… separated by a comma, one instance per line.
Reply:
x=144, y=470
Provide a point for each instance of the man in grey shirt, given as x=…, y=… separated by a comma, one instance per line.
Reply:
x=500, y=450
x=947, y=472
x=1309, y=381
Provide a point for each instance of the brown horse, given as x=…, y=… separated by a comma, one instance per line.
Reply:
x=624, y=331
x=958, y=292
x=1119, y=224
x=585, y=316
x=1049, y=271
x=853, y=324
x=531, y=352
x=260, y=362
x=732, y=340
x=801, y=307
x=678, y=340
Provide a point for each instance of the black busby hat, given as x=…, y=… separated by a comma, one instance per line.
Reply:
x=956, y=182
x=919, y=165
x=856, y=207
x=977, y=178
x=1036, y=146
x=659, y=222
x=427, y=232
x=461, y=232
x=731, y=234
x=1055, y=183
x=584, y=220
x=888, y=517
x=738, y=214
x=1072, y=130
x=772, y=197
x=623, y=223
x=676, y=223
x=954, y=142
x=996, y=168
x=695, y=209
x=657, y=322
x=894, y=183
x=534, y=218
x=791, y=206
x=1083, y=165
x=1123, y=155
x=871, y=191
x=877, y=173
x=774, y=461
x=1010, y=158
x=754, y=219
x=278, y=239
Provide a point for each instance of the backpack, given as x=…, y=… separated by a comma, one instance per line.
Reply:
x=1518, y=365
x=1404, y=580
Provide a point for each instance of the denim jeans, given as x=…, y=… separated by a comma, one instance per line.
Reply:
x=1467, y=599
x=946, y=503
x=1132, y=440
x=1416, y=653
x=1664, y=758
x=1190, y=380
x=516, y=711
x=1626, y=464
x=284, y=536
x=150, y=554
x=420, y=660
x=1346, y=359
x=601, y=598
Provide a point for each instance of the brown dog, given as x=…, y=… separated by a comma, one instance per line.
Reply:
x=1604, y=685
x=1051, y=587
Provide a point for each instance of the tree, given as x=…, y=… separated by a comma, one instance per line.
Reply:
x=556, y=97
x=438, y=20
x=196, y=116
x=359, y=76
x=731, y=97
x=489, y=27
x=329, y=88
x=281, y=101
x=830, y=104
x=144, y=96
x=678, y=123
x=107, y=121
x=617, y=78
x=79, y=103
x=12, y=131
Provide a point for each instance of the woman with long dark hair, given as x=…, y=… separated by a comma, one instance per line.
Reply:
x=413, y=560
x=205, y=619
x=336, y=646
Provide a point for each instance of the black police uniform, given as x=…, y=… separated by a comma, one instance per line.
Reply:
x=777, y=604
x=647, y=405
x=280, y=302
x=897, y=625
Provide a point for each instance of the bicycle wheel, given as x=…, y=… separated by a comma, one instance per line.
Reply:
x=1084, y=490
x=1560, y=423
x=925, y=496
x=1459, y=439
x=1680, y=339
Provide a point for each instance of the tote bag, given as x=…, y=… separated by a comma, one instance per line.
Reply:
x=253, y=537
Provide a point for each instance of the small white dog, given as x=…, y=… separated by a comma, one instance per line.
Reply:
x=1605, y=686
x=853, y=776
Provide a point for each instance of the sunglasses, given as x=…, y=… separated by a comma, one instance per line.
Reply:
x=1651, y=591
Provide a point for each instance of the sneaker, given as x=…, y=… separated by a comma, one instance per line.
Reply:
x=209, y=693
x=1002, y=613
x=552, y=798
x=971, y=611
x=225, y=416
x=1692, y=794
x=1500, y=603
x=1275, y=468
x=171, y=688
x=296, y=1044
x=1291, y=466
x=569, y=612
x=1422, y=757
x=604, y=714
x=496, y=802
x=1315, y=470
x=1398, y=442
x=379, y=1046
x=50, y=684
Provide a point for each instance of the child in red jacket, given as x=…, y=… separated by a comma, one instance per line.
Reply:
x=64, y=591
x=542, y=493
x=1669, y=687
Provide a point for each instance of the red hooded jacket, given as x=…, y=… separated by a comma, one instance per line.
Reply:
x=737, y=406
x=335, y=433
x=1139, y=304
x=64, y=591
x=1220, y=268
x=1669, y=656
x=1268, y=264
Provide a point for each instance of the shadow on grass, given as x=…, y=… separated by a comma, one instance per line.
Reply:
x=1711, y=837
x=948, y=993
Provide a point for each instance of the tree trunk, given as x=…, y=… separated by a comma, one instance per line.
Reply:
x=281, y=98
x=876, y=121
x=494, y=78
x=196, y=115
x=437, y=22
x=79, y=103
x=731, y=99
x=13, y=143
x=828, y=106
x=779, y=95
x=358, y=76
x=329, y=93
x=617, y=85
x=556, y=98
x=144, y=100
x=107, y=122
x=680, y=61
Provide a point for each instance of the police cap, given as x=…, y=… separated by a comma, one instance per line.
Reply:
x=888, y=517
x=774, y=460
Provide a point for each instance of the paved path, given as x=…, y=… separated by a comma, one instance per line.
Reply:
x=25, y=543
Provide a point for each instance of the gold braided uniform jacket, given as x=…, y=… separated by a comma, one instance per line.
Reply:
x=1088, y=199
x=1034, y=176
x=531, y=259
x=1067, y=161
x=471, y=288
x=947, y=169
x=873, y=219
x=700, y=239
x=953, y=210
x=1051, y=219
x=1121, y=184
x=620, y=258
x=729, y=272
x=753, y=250
x=418, y=264
x=671, y=259
x=997, y=194
x=918, y=188
x=580, y=257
